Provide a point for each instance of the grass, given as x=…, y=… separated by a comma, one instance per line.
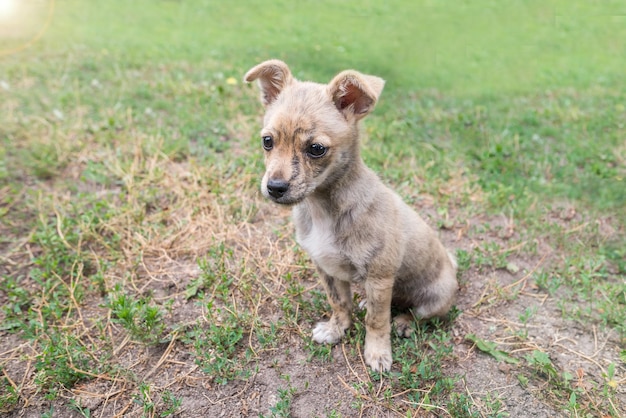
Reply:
x=142, y=273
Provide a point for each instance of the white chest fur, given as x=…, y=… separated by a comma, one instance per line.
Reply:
x=320, y=241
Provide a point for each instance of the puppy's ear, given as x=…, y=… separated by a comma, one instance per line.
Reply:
x=355, y=94
x=272, y=76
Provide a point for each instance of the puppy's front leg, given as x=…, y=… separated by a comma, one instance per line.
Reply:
x=378, y=323
x=340, y=300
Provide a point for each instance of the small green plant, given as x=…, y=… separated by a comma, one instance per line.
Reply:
x=18, y=301
x=318, y=351
x=62, y=361
x=462, y=406
x=523, y=380
x=216, y=344
x=463, y=259
x=572, y=403
x=548, y=281
x=524, y=318
x=49, y=413
x=560, y=383
x=9, y=395
x=293, y=303
x=490, y=348
x=76, y=406
x=421, y=357
x=494, y=406
x=267, y=336
x=541, y=363
x=282, y=408
x=144, y=399
x=489, y=255
x=44, y=161
x=171, y=404
x=528, y=313
x=143, y=321
x=611, y=384
x=215, y=277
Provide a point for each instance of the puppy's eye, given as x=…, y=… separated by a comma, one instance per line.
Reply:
x=316, y=150
x=268, y=143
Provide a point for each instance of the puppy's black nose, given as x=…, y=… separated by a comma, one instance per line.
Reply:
x=277, y=188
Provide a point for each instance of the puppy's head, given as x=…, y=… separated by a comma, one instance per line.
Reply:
x=310, y=133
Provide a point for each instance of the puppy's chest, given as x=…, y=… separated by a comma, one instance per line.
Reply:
x=317, y=235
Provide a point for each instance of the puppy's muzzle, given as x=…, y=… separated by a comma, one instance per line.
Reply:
x=277, y=188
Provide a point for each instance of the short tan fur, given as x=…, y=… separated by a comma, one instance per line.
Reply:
x=355, y=229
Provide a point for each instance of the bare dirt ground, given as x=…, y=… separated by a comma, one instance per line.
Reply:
x=490, y=302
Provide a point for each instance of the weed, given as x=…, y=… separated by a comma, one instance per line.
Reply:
x=62, y=361
x=9, y=395
x=490, y=348
x=461, y=405
x=524, y=318
x=541, y=363
x=282, y=408
x=600, y=298
x=215, y=274
x=171, y=404
x=421, y=357
x=548, y=281
x=216, y=345
x=49, y=413
x=319, y=351
x=143, y=321
x=490, y=255
x=83, y=411
x=464, y=259
x=523, y=380
x=333, y=414
x=18, y=302
x=494, y=406
x=144, y=399
x=611, y=384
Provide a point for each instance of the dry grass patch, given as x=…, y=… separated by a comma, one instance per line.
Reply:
x=144, y=275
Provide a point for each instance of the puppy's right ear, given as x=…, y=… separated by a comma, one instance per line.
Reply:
x=273, y=76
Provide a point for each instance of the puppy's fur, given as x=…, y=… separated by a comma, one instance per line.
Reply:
x=355, y=229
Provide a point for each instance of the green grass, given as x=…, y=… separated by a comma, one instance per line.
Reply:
x=479, y=47
x=134, y=243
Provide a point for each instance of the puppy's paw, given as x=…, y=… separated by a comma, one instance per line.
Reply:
x=327, y=332
x=378, y=356
x=402, y=323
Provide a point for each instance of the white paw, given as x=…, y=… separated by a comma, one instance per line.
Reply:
x=378, y=356
x=327, y=333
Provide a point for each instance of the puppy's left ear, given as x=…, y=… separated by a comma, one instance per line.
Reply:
x=273, y=77
x=355, y=94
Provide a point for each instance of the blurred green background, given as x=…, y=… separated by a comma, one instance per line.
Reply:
x=475, y=47
x=527, y=96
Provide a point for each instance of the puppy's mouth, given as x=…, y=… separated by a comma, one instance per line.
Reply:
x=286, y=201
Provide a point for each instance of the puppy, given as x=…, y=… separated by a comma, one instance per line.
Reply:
x=354, y=228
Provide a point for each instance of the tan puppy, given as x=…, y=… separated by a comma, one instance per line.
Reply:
x=354, y=228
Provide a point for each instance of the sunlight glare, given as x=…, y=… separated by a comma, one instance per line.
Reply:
x=7, y=8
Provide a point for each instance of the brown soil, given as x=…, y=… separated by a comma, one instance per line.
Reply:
x=319, y=386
